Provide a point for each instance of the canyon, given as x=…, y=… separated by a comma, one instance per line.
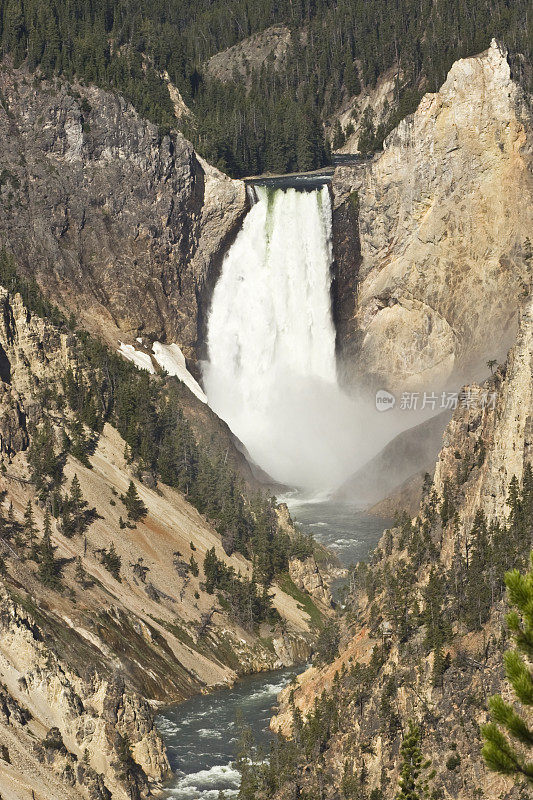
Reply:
x=125, y=228
x=128, y=228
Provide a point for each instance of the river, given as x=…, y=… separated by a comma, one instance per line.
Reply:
x=200, y=735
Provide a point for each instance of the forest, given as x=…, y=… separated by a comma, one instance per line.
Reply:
x=277, y=121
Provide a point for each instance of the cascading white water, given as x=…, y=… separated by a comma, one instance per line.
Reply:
x=271, y=370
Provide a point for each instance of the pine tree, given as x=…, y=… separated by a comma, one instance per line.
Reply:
x=508, y=747
x=112, y=561
x=135, y=506
x=49, y=570
x=80, y=574
x=76, y=506
x=30, y=529
x=412, y=785
x=194, y=567
x=338, y=136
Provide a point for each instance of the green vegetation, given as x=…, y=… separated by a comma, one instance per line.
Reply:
x=457, y=599
x=247, y=603
x=508, y=739
x=112, y=561
x=419, y=607
x=327, y=646
x=146, y=410
x=134, y=505
x=305, y=602
x=413, y=781
x=49, y=567
x=270, y=119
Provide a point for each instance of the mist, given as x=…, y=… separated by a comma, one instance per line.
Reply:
x=303, y=431
x=271, y=372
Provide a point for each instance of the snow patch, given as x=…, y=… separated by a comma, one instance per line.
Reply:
x=141, y=360
x=171, y=359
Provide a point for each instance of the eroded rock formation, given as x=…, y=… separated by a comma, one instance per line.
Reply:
x=444, y=216
x=119, y=224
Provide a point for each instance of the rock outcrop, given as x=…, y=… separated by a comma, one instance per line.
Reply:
x=445, y=215
x=307, y=576
x=119, y=224
x=504, y=427
x=388, y=670
x=83, y=664
x=242, y=59
x=83, y=714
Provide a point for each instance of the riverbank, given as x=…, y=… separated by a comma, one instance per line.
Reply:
x=201, y=735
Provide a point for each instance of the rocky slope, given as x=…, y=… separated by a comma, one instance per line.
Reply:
x=82, y=667
x=425, y=633
x=444, y=254
x=411, y=452
x=122, y=226
x=268, y=47
x=379, y=100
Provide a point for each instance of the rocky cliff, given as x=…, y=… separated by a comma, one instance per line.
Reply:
x=425, y=632
x=444, y=222
x=119, y=224
x=84, y=662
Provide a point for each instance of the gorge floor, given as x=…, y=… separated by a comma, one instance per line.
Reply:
x=201, y=735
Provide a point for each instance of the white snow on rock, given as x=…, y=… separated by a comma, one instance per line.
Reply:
x=171, y=359
x=141, y=360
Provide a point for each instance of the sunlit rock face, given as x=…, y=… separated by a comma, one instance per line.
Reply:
x=444, y=214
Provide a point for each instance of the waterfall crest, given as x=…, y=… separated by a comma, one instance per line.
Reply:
x=271, y=370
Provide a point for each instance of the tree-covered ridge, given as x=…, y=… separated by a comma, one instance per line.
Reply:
x=336, y=46
x=509, y=737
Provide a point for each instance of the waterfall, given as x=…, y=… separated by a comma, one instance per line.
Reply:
x=271, y=370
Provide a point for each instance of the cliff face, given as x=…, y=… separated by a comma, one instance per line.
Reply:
x=62, y=723
x=426, y=630
x=82, y=666
x=444, y=214
x=122, y=226
x=504, y=430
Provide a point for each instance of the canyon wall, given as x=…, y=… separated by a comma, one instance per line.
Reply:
x=445, y=215
x=425, y=634
x=84, y=664
x=121, y=225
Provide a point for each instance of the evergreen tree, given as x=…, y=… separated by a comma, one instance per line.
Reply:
x=135, y=506
x=193, y=564
x=508, y=747
x=77, y=505
x=412, y=783
x=338, y=136
x=29, y=527
x=46, y=466
x=327, y=646
x=80, y=574
x=112, y=561
x=49, y=567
